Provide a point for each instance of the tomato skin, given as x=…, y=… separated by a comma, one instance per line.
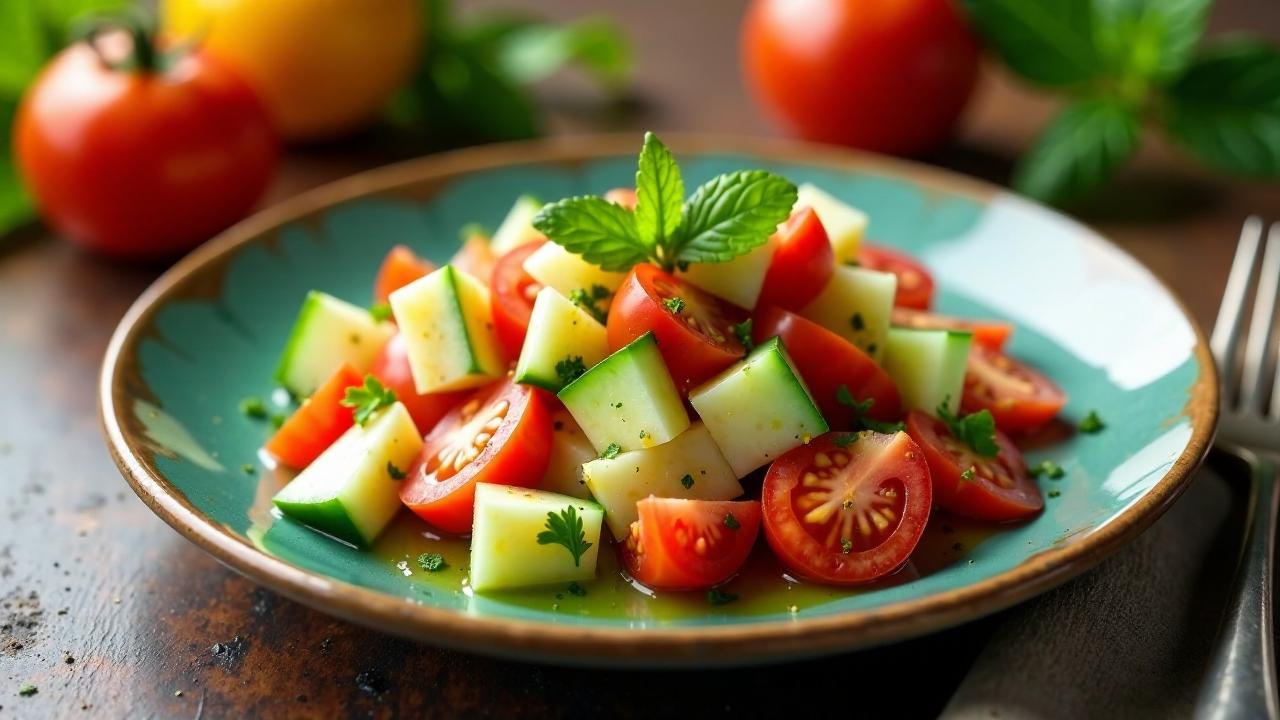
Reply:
x=142, y=165
x=320, y=421
x=801, y=266
x=992, y=334
x=825, y=362
x=660, y=549
x=1020, y=398
x=691, y=356
x=1001, y=489
x=516, y=453
x=890, y=76
x=400, y=267
x=391, y=367
x=915, y=284
x=475, y=258
x=897, y=464
x=513, y=293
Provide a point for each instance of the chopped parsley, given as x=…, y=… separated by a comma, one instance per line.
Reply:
x=380, y=312
x=611, y=451
x=1092, y=423
x=860, y=410
x=857, y=322
x=844, y=440
x=588, y=301
x=846, y=545
x=566, y=529
x=687, y=481
x=1055, y=493
x=1048, y=468
x=742, y=331
x=395, y=472
x=576, y=589
x=731, y=522
x=968, y=474
x=248, y=469
x=277, y=420
x=27, y=690
x=716, y=596
x=368, y=399
x=431, y=562
x=570, y=369
x=871, y=348
x=675, y=305
x=977, y=430
x=253, y=407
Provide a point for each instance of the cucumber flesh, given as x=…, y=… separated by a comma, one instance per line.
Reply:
x=505, y=552
x=448, y=331
x=845, y=225
x=328, y=333
x=517, y=227
x=555, y=267
x=928, y=366
x=740, y=280
x=559, y=332
x=856, y=304
x=570, y=450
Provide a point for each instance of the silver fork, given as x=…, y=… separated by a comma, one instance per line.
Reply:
x=1242, y=682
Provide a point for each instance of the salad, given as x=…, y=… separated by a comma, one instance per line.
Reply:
x=663, y=377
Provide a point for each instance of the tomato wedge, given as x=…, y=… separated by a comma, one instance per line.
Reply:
x=501, y=434
x=624, y=196
x=321, y=420
x=1020, y=398
x=915, y=284
x=695, y=336
x=991, y=334
x=475, y=257
x=827, y=361
x=801, y=266
x=391, y=367
x=999, y=489
x=680, y=544
x=514, y=291
x=847, y=515
x=400, y=267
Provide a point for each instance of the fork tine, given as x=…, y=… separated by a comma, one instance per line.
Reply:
x=1258, y=344
x=1226, y=330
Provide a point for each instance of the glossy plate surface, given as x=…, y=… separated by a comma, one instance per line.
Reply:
x=208, y=333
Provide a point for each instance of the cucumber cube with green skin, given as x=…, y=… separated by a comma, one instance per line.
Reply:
x=517, y=227
x=351, y=491
x=928, y=366
x=328, y=333
x=690, y=466
x=448, y=331
x=740, y=280
x=560, y=335
x=505, y=552
x=845, y=225
x=856, y=305
x=570, y=450
x=555, y=267
x=758, y=409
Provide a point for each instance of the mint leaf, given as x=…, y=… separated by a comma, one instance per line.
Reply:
x=1049, y=42
x=977, y=430
x=659, y=193
x=1079, y=151
x=529, y=52
x=601, y=232
x=1148, y=40
x=731, y=215
x=1225, y=109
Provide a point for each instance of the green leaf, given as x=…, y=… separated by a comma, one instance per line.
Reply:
x=599, y=231
x=1050, y=42
x=431, y=562
x=977, y=430
x=1078, y=152
x=1148, y=39
x=566, y=529
x=1226, y=108
x=535, y=51
x=368, y=399
x=659, y=192
x=15, y=206
x=733, y=214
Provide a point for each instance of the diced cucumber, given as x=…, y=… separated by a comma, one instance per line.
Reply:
x=328, y=333
x=559, y=332
x=928, y=366
x=758, y=409
x=570, y=450
x=505, y=552
x=448, y=331
x=629, y=399
x=349, y=492
x=690, y=466
x=856, y=305
x=845, y=225
x=517, y=227
x=555, y=267
x=740, y=280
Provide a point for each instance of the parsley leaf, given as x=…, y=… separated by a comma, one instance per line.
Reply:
x=1048, y=468
x=1092, y=423
x=570, y=369
x=253, y=407
x=585, y=301
x=27, y=690
x=742, y=331
x=977, y=430
x=731, y=522
x=716, y=596
x=659, y=193
x=380, y=312
x=395, y=472
x=844, y=440
x=968, y=473
x=846, y=545
x=368, y=399
x=431, y=562
x=687, y=481
x=675, y=305
x=566, y=529
x=576, y=589
x=733, y=214
x=611, y=451
x=860, y=410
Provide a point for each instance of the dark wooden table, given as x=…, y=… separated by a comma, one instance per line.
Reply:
x=110, y=613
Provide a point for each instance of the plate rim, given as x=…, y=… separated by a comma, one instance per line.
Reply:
x=581, y=644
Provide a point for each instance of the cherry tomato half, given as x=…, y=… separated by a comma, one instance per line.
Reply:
x=501, y=434
x=391, y=367
x=1020, y=398
x=991, y=334
x=514, y=291
x=827, y=361
x=624, y=196
x=915, y=285
x=318, y=423
x=999, y=489
x=680, y=544
x=400, y=267
x=801, y=266
x=695, y=336
x=475, y=257
x=847, y=515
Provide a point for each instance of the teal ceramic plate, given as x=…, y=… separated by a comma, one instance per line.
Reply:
x=208, y=333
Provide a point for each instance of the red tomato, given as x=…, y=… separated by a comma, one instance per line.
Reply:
x=502, y=434
x=1020, y=398
x=891, y=76
x=624, y=196
x=391, y=367
x=991, y=334
x=682, y=544
x=318, y=423
x=514, y=291
x=696, y=342
x=802, y=264
x=825, y=362
x=915, y=285
x=847, y=515
x=401, y=267
x=1000, y=488
x=145, y=163
x=475, y=257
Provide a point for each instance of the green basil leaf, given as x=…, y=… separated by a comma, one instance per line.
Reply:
x=1148, y=39
x=731, y=215
x=1225, y=109
x=536, y=51
x=15, y=206
x=599, y=231
x=1050, y=42
x=659, y=192
x=1079, y=151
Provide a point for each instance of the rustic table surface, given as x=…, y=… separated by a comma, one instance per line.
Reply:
x=110, y=613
